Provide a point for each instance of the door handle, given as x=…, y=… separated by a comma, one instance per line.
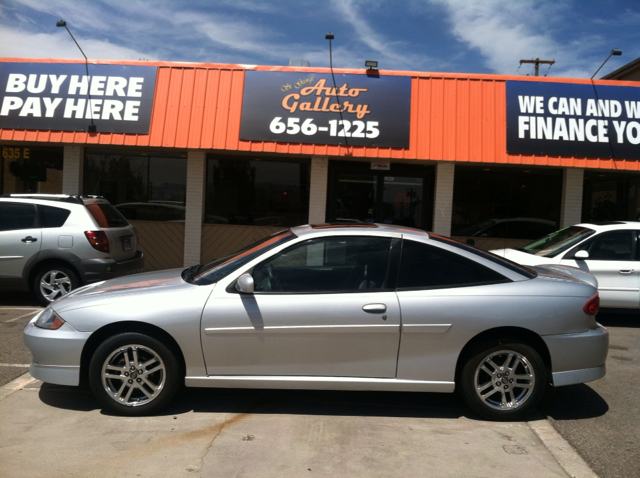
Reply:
x=374, y=308
x=626, y=271
x=29, y=239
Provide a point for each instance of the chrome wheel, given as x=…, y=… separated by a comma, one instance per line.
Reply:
x=504, y=380
x=54, y=284
x=133, y=375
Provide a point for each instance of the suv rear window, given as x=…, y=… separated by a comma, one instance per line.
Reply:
x=52, y=216
x=106, y=215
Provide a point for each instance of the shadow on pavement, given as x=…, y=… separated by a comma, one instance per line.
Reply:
x=620, y=318
x=574, y=402
x=25, y=299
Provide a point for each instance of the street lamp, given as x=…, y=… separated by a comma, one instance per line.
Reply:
x=92, y=127
x=614, y=52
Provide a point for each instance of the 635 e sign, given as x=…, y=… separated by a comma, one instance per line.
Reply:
x=308, y=108
x=10, y=152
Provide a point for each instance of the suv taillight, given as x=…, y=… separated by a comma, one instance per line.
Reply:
x=98, y=239
x=592, y=306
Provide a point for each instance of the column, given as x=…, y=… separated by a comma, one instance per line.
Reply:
x=72, y=169
x=318, y=189
x=571, y=210
x=196, y=182
x=443, y=203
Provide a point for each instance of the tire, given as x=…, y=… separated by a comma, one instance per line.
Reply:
x=53, y=282
x=133, y=374
x=504, y=382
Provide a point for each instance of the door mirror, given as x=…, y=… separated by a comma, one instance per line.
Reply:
x=582, y=255
x=245, y=284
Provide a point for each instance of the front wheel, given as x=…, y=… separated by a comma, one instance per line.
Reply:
x=505, y=382
x=134, y=374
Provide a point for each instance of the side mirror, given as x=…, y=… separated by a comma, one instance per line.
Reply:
x=582, y=255
x=245, y=284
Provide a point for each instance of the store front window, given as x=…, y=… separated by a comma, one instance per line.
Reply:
x=257, y=191
x=401, y=195
x=147, y=187
x=505, y=202
x=610, y=196
x=31, y=169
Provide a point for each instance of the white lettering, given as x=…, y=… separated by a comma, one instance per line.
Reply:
x=575, y=106
x=115, y=84
x=112, y=108
x=56, y=83
x=97, y=85
x=31, y=84
x=93, y=109
x=619, y=127
x=523, y=125
x=50, y=106
x=545, y=128
x=589, y=130
x=76, y=83
x=71, y=106
x=539, y=105
x=31, y=107
x=552, y=101
x=603, y=131
x=560, y=130
x=576, y=129
x=633, y=132
x=633, y=109
x=592, y=110
x=135, y=87
x=10, y=103
x=131, y=110
x=16, y=83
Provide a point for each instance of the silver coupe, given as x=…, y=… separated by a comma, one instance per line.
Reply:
x=342, y=307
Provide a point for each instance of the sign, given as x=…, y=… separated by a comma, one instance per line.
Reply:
x=15, y=152
x=381, y=166
x=295, y=107
x=563, y=119
x=60, y=96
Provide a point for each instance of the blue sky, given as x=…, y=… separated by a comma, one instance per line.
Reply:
x=465, y=36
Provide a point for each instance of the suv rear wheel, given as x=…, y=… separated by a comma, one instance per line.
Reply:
x=53, y=282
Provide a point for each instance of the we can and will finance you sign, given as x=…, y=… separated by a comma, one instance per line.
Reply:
x=61, y=97
x=580, y=120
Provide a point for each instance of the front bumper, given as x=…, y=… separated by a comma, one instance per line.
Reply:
x=56, y=353
x=578, y=358
x=96, y=270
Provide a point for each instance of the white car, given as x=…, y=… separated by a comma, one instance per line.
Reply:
x=610, y=251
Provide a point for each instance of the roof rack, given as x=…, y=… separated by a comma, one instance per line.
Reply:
x=70, y=198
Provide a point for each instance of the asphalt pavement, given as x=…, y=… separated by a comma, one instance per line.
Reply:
x=54, y=431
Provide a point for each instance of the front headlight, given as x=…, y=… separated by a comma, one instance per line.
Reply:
x=48, y=319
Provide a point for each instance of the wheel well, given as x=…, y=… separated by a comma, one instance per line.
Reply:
x=51, y=263
x=109, y=330
x=503, y=335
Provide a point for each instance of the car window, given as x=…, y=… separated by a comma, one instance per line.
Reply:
x=427, y=267
x=611, y=246
x=14, y=217
x=53, y=216
x=106, y=215
x=333, y=264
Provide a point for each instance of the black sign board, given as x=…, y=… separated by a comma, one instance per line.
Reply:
x=60, y=96
x=580, y=120
x=360, y=110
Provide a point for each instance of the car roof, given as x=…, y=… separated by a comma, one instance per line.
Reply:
x=610, y=226
x=350, y=228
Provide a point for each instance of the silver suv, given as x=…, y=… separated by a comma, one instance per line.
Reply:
x=54, y=243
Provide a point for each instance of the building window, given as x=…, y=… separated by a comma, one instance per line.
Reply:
x=29, y=169
x=147, y=187
x=257, y=192
x=506, y=202
x=610, y=196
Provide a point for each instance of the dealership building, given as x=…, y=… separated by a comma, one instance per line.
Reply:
x=205, y=158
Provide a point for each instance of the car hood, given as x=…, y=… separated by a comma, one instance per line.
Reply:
x=149, y=282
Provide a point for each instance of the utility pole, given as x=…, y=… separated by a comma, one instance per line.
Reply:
x=537, y=62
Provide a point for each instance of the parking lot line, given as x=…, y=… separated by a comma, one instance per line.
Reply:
x=33, y=311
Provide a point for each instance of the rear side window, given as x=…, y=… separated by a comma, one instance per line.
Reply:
x=14, y=217
x=53, y=216
x=106, y=215
x=427, y=267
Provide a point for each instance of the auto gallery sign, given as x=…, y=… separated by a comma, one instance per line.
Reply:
x=60, y=96
x=358, y=110
x=573, y=120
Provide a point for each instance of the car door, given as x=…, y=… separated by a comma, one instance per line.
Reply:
x=321, y=307
x=20, y=240
x=612, y=260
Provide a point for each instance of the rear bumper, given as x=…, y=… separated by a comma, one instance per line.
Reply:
x=96, y=270
x=578, y=358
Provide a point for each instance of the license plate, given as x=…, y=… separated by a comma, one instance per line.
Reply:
x=126, y=244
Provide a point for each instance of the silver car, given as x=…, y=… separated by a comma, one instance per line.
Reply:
x=343, y=307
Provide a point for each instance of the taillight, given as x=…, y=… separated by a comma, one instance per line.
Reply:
x=592, y=306
x=98, y=239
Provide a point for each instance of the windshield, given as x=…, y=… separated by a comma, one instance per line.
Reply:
x=557, y=242
x=215, y=270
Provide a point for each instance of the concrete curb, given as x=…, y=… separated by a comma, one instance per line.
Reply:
x=15, y=385
x=561, y=450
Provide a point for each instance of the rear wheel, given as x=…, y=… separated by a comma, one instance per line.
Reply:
x=504, y=382
x=53, y=282
x=134, y=374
